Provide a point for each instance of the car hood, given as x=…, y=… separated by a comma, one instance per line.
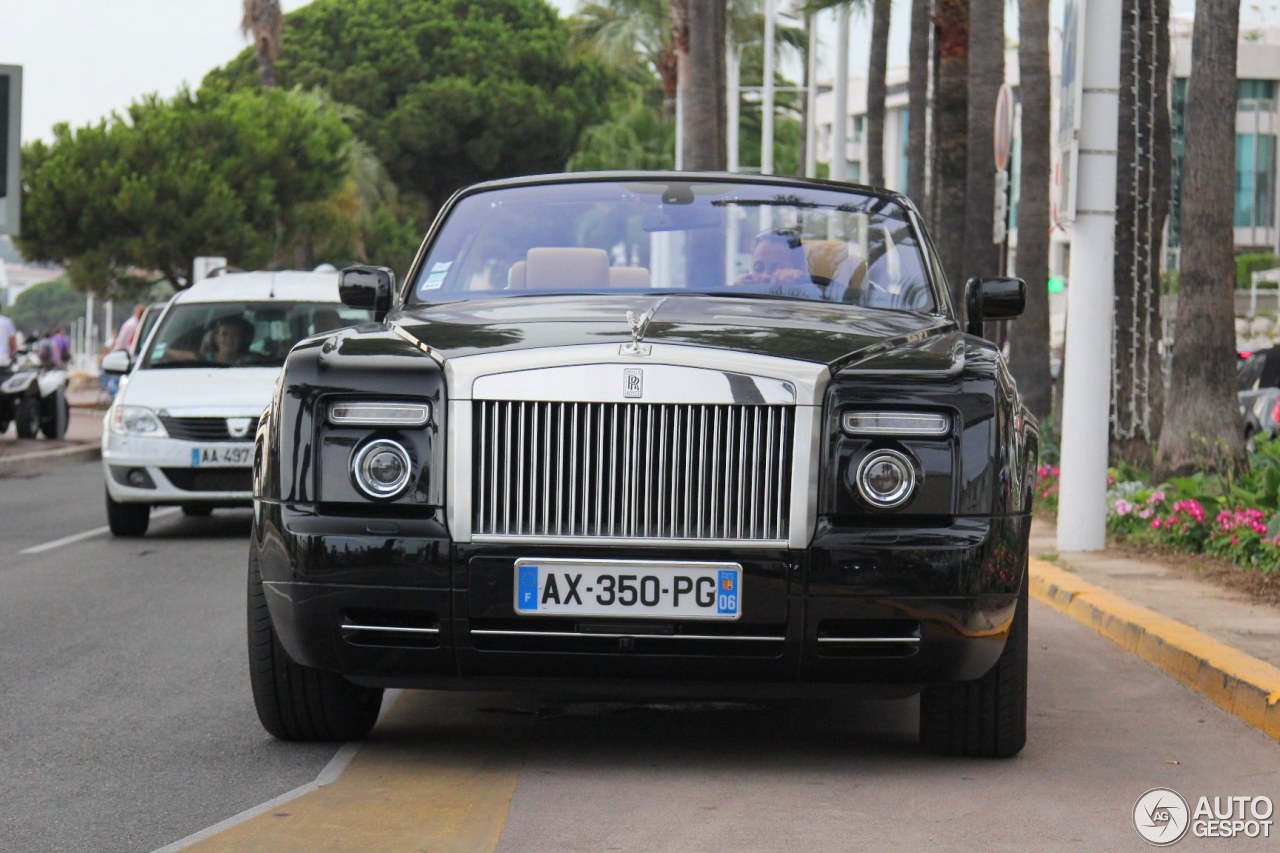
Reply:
x=197, y=391
x=840, y=336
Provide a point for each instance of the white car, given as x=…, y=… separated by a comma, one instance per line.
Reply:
x=180, y=431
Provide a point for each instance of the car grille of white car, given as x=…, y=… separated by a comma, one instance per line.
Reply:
x=204, y=429
x=632, y=470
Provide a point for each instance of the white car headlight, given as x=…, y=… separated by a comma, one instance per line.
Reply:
x=135, y=420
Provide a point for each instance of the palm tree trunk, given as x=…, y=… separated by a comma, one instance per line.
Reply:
x=1029, y=334
x=951, y=36
x=1137, y=373
x=262, y=19
x=986, y=73
x=1202, y=429
x=1162, y=196
x=918, y=93
x=679, y=54
x=704, y=88
x=880, y=12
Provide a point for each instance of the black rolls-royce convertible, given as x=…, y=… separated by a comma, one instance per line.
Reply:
x=651, y=434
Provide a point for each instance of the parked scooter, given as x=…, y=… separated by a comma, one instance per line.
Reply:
x=34, y=396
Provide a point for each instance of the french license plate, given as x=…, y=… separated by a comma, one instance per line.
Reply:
x=224, y=456
x=637, y=590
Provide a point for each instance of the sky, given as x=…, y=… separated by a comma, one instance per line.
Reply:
x=84, y=59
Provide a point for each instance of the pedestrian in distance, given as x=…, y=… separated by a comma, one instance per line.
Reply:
x=8, y=341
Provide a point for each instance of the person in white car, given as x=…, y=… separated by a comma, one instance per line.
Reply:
x=181, y=429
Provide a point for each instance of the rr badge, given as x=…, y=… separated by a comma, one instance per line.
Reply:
x=633, y=382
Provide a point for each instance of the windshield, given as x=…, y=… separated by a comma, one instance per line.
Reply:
x=706, y=237
x=240, y=334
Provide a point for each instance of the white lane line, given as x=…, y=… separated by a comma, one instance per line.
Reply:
x=88, y=534
x=327, y=776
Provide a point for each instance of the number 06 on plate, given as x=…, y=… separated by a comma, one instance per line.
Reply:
x=633, y=589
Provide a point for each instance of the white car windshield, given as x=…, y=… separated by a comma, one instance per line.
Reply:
x=662, y=235
x=240, y=334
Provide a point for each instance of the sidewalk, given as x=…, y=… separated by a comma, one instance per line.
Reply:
x=1214, y=640
x=27, y=457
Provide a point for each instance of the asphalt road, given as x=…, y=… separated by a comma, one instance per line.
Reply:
x=126, y=723
x=125, y=716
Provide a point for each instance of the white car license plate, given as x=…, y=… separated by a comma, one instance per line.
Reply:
x=643, y=590
x=223, y=456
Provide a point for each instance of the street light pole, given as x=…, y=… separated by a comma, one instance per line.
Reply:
x=1082, y=505
x=840, y=110
x=766, y=118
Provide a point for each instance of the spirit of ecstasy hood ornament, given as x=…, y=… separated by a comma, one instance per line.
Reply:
x=638, y=326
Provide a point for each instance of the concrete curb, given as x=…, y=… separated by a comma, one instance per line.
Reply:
x=1240, y=684
x=30, y=464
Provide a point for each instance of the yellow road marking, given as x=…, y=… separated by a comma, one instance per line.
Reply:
x=437, y=774
x=1238, y=683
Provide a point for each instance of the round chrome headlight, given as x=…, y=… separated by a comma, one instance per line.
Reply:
x=885, y=479
x=381, y=468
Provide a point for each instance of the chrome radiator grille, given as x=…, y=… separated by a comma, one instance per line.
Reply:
x=632, y=470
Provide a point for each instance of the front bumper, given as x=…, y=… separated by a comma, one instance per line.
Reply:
x=171, y=478
x=395, y=602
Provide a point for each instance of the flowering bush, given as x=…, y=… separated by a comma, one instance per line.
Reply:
x=1174, y=515
x=1047, y=487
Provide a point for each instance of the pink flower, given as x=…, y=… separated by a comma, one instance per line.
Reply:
x=1156, y=497
x=1155, y=523
x=1123, y=507
x=1144, y=513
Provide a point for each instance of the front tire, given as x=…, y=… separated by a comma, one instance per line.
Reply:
x=129, y=520
x=987, y=717
x=28, y=416
x=57, y=414
x=297, y=702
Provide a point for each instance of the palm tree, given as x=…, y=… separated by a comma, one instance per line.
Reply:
x=918, y=94
x=633, y=35
x=876, y=70
x=1201, y=427
x=950, y=113
x=262, y=20
x=1141, y=204
x=986, y=74
x=704, y=85
x=1029, y=336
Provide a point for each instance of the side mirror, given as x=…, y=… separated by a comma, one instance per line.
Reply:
x=992, y=299
x=117, y=362
x=367, y=287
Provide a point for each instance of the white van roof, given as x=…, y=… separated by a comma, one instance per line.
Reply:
x=289, y=286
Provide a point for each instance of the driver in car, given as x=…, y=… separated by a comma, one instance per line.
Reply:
x=227, y=344
x=778, y=264
x=231, y=338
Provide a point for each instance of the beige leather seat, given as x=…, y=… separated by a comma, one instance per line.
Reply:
x=831, y=259
x=515, y=276
x=566, y=269
x=634, y=278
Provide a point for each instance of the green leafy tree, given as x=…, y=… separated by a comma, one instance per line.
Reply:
x=45, y=305
x=449, y=92
x=139, y=197
x=637, y=138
